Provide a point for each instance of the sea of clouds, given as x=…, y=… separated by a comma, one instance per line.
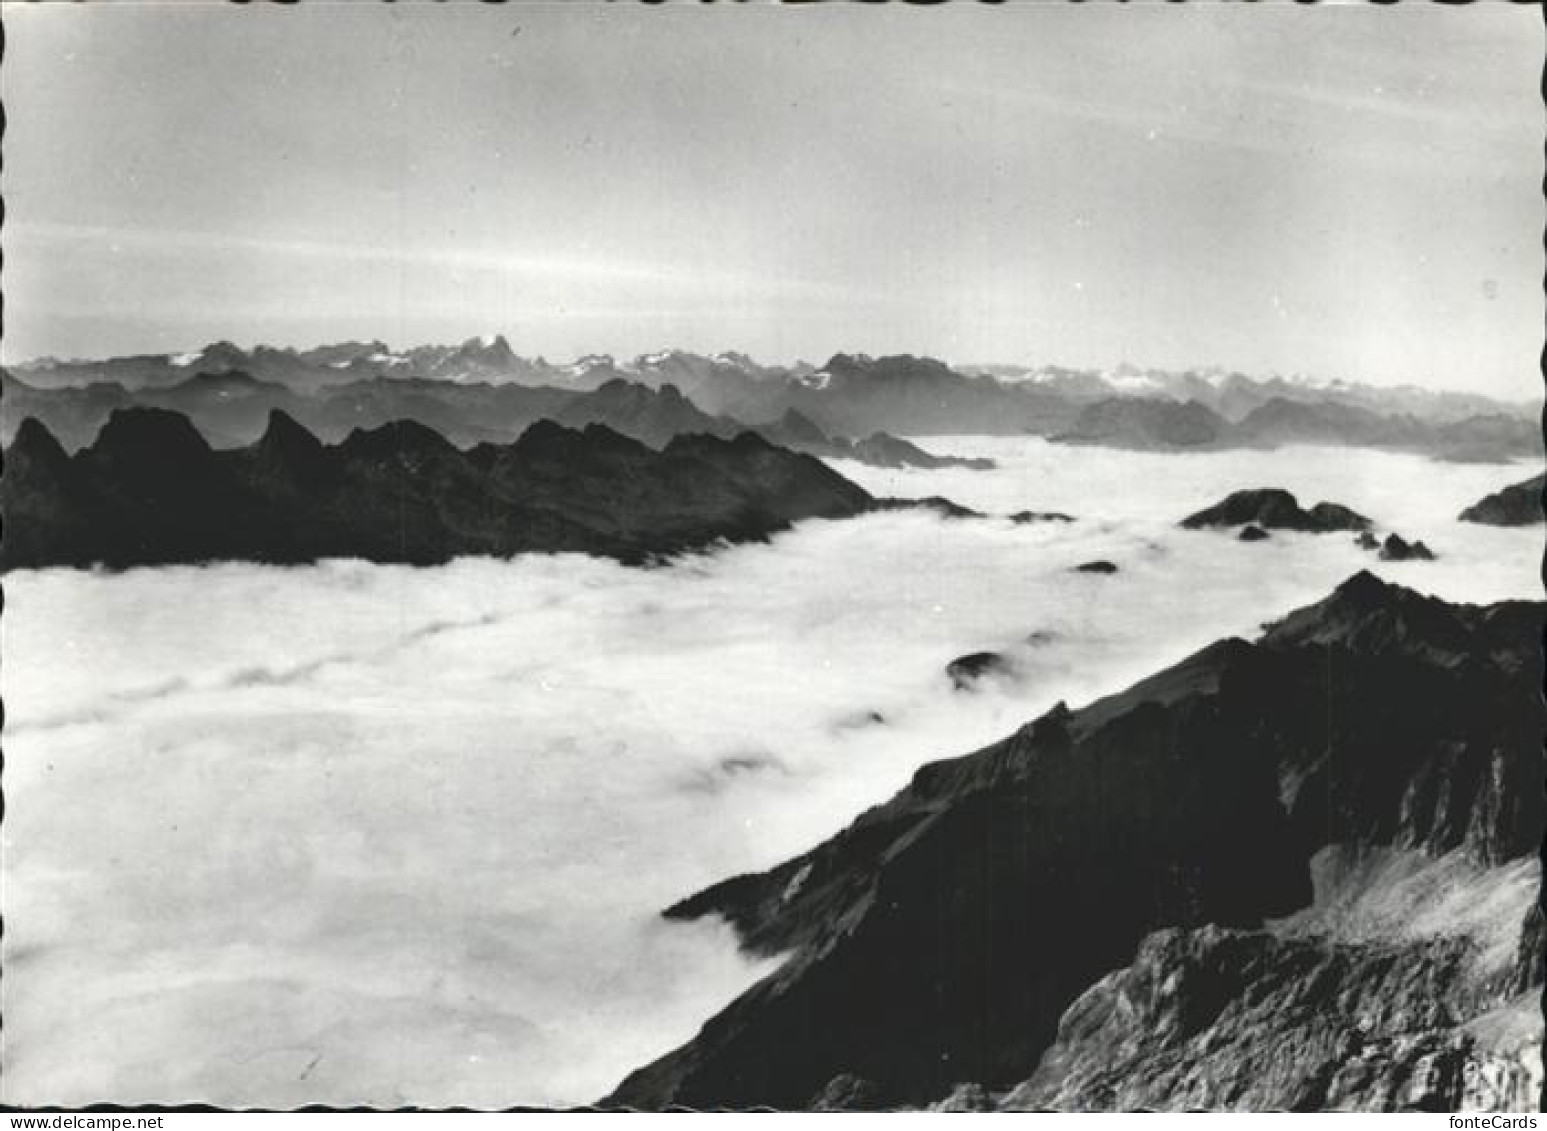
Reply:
x=374, y=834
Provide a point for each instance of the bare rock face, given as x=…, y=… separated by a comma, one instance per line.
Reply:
x=1294, y=873
x=1209, y=1018
x=967, y=1097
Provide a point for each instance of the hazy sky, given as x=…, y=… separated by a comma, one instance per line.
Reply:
x=1342, y=191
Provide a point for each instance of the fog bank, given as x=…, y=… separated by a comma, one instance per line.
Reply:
x=373, y=834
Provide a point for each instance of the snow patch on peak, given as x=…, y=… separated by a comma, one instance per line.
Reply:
x=1135, y=383
x=583, y=365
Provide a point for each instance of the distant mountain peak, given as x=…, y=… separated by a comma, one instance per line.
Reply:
x=487, y=349
x=222, y=353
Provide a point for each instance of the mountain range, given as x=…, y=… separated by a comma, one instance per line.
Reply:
x=1147, y=424
x=232, y=409
x=481, y=389
x=1293, y=873
x=151, y=490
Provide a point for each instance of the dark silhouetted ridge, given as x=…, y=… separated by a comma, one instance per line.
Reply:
x=147, y=437
x=150, y=490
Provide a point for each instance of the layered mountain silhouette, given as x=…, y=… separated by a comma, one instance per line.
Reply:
x=1516, y=505
x=1234, y=395
x=1151, y=424
x=151, y=490
x=851, y=395
x=231, y=409
x=879, y=449
x=1181, y=895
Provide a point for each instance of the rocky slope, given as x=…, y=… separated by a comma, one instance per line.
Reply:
x=1407, y=985
x=1127, y=904
x=150, y=490
x=1517, y=505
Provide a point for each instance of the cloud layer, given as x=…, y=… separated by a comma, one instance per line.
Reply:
x=360, y=834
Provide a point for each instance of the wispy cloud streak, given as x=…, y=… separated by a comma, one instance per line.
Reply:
x=553, y=268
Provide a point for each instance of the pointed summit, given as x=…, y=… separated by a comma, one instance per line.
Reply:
x=34, y=446
x=287, y=451
x=489, y=349
x=1377, y=617
x=285, y=435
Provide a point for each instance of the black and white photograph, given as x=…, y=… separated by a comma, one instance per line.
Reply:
x=824, y=557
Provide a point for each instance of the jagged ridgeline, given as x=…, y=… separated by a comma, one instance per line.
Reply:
x=150, y=490
x=482, y=390
x=1295, y=873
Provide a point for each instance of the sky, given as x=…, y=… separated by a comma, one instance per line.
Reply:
x=1344, y=192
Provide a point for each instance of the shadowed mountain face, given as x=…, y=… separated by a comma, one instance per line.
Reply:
x=939, y=940
x=150, y=490
x=1516, y=505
